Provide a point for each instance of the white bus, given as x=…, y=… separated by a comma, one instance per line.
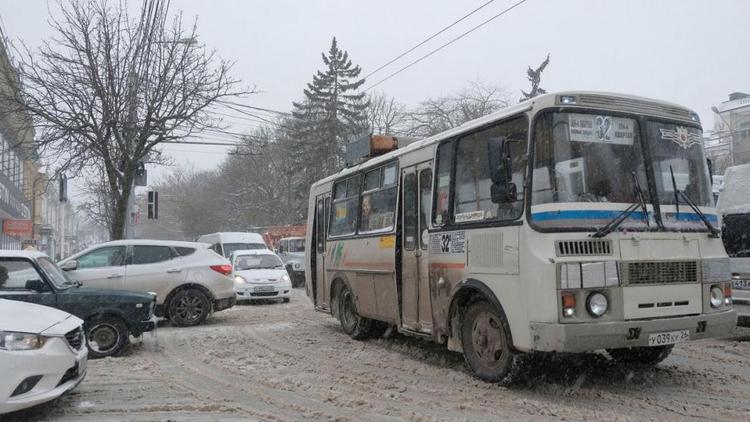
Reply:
x=572, y=222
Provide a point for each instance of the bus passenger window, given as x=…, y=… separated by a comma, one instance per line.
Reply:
x=345, y=207
x=442, y=187
x=378, y=201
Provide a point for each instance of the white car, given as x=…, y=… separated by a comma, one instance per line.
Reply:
x=42, y=354
x=189, y=279
x=225, y=243
x=260, y=274
x=291, y=250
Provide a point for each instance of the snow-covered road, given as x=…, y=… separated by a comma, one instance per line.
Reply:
x=285, y=362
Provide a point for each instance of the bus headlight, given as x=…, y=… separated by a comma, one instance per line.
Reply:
x=577, y=275
x=717, y=296
x=597, y=304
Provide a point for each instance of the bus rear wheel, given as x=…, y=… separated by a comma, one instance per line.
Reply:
x=356, y=326
x=647, y=356
x=487, y=350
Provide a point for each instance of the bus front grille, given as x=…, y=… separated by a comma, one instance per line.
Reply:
x=659, y=272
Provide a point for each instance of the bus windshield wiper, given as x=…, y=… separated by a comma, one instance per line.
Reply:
x=678, y=193
x=624, y=214
x=639, y=195
x=615, y=222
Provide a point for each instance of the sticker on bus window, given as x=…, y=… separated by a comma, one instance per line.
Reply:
x=593, y=128
x=386, y=242
x=448, y=243
x=470, y=216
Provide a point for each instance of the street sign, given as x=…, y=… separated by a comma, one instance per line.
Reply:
x=17, y=228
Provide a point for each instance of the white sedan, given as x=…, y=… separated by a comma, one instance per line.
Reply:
x=41, y=354
x=260, y=274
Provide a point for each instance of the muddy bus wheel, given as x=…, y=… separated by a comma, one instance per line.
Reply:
x=487, y=351
x=647, y=356
x=356, y=326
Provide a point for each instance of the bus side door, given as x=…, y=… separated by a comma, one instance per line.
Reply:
x=416, y=306
x=321, y=231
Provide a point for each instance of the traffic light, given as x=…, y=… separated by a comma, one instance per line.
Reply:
x=153, y=205
x=62, y=195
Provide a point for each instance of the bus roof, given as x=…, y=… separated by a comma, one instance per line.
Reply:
x=603, y=100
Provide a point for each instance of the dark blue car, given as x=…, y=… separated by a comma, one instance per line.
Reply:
x=110, y=316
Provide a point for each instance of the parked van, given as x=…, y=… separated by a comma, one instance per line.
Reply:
x=291, y=250
x=734, y=207
x=225, y=243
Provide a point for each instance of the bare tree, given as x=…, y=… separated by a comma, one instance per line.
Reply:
x=385, y=115
x=107, y=90
x=442, y=113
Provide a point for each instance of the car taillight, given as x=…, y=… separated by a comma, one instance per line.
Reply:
x=223, y=269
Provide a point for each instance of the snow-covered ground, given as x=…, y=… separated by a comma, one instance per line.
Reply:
x=285, y=362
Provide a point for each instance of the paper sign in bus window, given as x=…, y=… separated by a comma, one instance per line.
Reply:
x=593, y=128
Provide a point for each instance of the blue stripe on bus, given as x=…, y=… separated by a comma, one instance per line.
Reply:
x=607, y=214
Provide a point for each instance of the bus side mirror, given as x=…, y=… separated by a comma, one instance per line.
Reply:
x=503, y=190
x=710, y=170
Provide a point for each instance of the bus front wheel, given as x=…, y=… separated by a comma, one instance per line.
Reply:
x=356, y=326
x=487, y=350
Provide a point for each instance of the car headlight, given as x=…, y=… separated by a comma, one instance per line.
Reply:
x=716, y=270
x=597, y=304
x=240, y=279
x=717, y=296
x=285, y=277
x=577, y=275
x=12, y=341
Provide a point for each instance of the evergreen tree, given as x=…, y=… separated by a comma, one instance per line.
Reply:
x=535, y=76
x=331, y=114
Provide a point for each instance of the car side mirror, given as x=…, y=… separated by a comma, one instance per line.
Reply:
x=69, y=265
x=503, y=190
x=36, y=285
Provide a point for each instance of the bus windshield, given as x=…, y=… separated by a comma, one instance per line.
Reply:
x=585, y=168
x=586, y=165
x=677, y=150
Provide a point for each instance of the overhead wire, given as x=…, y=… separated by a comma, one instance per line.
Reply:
x=518, y=3
x=426, y=40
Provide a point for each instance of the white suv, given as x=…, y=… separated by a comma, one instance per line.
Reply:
x=189, y=279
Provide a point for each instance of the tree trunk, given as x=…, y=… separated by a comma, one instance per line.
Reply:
x=121, y=212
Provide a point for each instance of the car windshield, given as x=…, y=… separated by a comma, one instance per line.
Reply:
x=54, y=274
x=585, y=167
x=231, y=247
x=256, y=262
x=296, y=245
x=677, y=150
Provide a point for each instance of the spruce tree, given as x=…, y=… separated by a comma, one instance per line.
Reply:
x=331, y=113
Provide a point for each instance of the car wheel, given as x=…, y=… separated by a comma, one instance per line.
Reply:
x=105, y=336
x=487, y=349
x=647, y=356
x=356, y=326
x=189, y=307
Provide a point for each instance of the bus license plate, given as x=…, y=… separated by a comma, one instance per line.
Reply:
x=741, y=284
x=671, y=337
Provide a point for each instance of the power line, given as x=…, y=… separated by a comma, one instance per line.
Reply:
x=283, y=113
x=445, y=45
x=427, y=40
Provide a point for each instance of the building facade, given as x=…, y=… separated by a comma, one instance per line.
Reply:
x=729, y=142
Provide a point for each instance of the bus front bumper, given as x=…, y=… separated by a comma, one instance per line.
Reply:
x=583, y=337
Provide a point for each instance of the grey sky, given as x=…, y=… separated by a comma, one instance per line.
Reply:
x=686, y=51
